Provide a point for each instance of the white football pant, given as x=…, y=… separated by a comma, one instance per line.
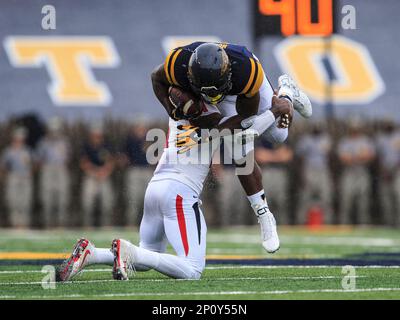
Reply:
x=172, y=214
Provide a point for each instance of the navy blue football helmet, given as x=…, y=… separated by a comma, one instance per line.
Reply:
x=209, y=72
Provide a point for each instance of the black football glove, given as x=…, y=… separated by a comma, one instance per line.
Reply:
x=177, y=114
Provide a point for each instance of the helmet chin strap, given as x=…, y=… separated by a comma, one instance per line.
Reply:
x=213, y=100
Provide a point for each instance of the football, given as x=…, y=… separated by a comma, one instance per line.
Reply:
x=189, y=104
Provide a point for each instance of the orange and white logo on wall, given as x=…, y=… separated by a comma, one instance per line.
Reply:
x=69, y=61
x=352, y=77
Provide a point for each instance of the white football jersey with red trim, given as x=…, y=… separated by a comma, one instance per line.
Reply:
x=190, y=167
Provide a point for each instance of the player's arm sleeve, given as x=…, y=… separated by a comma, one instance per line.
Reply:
x=276, y=135
x=171, y=69
x=255, y=78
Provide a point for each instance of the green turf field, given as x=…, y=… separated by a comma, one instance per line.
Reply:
x=308, y=266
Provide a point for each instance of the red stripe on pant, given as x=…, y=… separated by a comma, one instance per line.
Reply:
x=166, y=139
x=182, y=223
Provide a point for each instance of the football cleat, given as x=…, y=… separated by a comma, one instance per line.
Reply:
x=78, y=260
x=269, y=233
x=123, y=259
x=289, y=88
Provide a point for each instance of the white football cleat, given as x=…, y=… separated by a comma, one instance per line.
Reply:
x=301, y=103
x=124, y=252
x=78, y=260
x=269, y=233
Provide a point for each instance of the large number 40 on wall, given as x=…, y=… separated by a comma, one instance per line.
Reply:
x=342, y=71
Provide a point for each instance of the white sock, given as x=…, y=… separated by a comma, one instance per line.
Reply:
x=102, y=256
x=168, y=264
x=259, y=203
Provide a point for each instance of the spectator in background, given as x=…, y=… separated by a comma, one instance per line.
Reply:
x=356, y=151
x=97, y=163
x=139, y=173
x=388, y=150
x=16, y=162
x=316, y=189
x=53, y=155
x=274, y=161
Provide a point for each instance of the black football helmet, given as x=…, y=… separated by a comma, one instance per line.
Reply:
x=209, y=72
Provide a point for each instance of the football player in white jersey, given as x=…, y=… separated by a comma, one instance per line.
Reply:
x=172, y=210
x=172, y=214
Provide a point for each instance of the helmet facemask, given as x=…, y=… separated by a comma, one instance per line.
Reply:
x=215, y=91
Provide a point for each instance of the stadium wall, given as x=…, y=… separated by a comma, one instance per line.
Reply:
x=112, y=47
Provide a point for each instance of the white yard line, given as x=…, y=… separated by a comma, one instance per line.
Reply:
x=297, y=266
x=39, y=271
x=205, y=293
x=304, y=240
x=227, y=267
x=170, y=280
x=57, y=283
x=107, y=235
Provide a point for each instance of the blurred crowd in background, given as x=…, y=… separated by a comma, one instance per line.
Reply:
x=60, y=174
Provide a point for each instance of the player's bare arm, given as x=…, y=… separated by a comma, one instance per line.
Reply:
x=247, y=106
x=160, y=88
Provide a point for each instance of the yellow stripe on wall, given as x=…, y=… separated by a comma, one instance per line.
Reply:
x=32, y=255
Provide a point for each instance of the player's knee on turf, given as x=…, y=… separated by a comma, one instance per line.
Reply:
x=197, y=268
x=195, y=275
